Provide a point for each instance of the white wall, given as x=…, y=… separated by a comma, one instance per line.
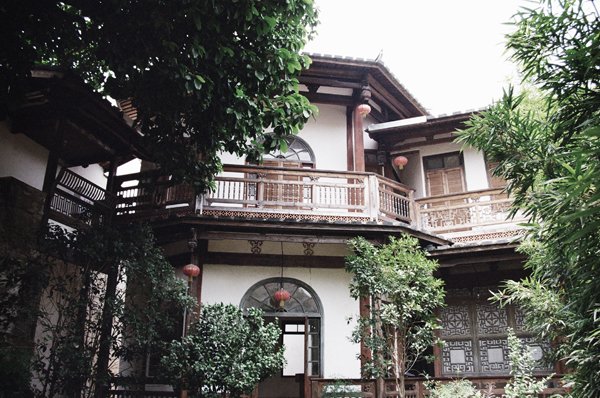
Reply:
x=22, y=158
x=228, y=284
x=326, y=135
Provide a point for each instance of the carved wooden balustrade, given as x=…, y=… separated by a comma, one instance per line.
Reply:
x=77, y=201
x=271, y=192
x=473, y=215
x=414, y=387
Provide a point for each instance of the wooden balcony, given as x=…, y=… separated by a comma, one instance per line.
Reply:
x=270, y=192
x=469, y=216
x=293, y=194
x=78, y=202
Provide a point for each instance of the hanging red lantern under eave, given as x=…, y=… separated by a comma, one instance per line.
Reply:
x=281, y=296
x=191, y=270
x=363, y=110
x=400, y=161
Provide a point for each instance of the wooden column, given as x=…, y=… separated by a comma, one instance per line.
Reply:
x=359, y=145
x=349, y=139
x=361, y=110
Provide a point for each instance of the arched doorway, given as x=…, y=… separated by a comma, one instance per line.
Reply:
x=300, y=320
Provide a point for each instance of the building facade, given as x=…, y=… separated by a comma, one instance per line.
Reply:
x=372, y=163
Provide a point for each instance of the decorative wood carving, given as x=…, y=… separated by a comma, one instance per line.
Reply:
x=255, y=246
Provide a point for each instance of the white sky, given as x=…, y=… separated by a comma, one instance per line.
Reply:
x=449, y=54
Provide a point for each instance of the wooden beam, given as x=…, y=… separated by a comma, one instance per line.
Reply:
x=382, y=94
x=331, y=99
x=273, y=260
x=321, y=81
x=216, y=235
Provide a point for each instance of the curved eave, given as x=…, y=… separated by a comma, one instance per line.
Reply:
x=353, y=73
x=394, y=132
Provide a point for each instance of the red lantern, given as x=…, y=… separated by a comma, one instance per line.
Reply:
x=363, y=110
x=281, y=296
x=400, y=161
x=191, y=270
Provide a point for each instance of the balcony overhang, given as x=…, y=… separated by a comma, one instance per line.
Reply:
x=292, y=231
x=61, y=113
x=424, y=130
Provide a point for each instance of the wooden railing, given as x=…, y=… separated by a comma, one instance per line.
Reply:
x=249, y=191
x=414, y=387
x=468, y=214
x=293, y=193
x=76, y=201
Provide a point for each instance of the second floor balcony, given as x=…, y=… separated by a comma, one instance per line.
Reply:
x=312, y=195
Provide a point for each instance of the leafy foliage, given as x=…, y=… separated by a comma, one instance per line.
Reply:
x=224, y=352
x=398, y=280
x=550, y=154
x=206, y=76
x=459, y=388
x=72, y=304
x=522, y=365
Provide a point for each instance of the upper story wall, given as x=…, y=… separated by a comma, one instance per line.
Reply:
x=326, y=136
x=22, y=158
x=413, y=174
x=420, y=138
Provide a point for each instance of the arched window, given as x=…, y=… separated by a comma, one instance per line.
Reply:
x=298, y=152
x=299, y=319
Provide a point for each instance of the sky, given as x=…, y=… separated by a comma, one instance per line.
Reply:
x=449, y=54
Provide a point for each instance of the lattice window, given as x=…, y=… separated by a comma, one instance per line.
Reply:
x=475, y=335
x=298, y=151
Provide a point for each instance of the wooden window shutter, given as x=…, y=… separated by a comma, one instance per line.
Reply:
x=455, y=182
x=435, y=182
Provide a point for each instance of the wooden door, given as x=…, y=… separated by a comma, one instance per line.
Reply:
x=444, y=175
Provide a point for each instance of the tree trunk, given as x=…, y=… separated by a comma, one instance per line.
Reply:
x=380, y=383
x=102, y=373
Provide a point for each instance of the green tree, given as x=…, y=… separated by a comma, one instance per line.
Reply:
x=522, y=384
x=71, y=311
x=206, y=76
x=550, y=158
x=460, y=388
x=397, y=280
x=225, y=353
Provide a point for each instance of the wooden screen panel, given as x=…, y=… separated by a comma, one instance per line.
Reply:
x=285, y=193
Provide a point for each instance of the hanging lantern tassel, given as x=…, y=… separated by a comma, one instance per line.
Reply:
x=400, y=161
x=281, y=296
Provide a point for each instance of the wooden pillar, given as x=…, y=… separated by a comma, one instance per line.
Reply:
x=112, y=280
x=361, y=110
x=349, y=139
x=359, y=145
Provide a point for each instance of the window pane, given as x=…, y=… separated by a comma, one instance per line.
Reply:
x=452, y=160
x=434, y=163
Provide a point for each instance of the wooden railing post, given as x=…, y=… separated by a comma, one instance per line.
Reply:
x=260, y=191
x=415, y=220
x=372, y=196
